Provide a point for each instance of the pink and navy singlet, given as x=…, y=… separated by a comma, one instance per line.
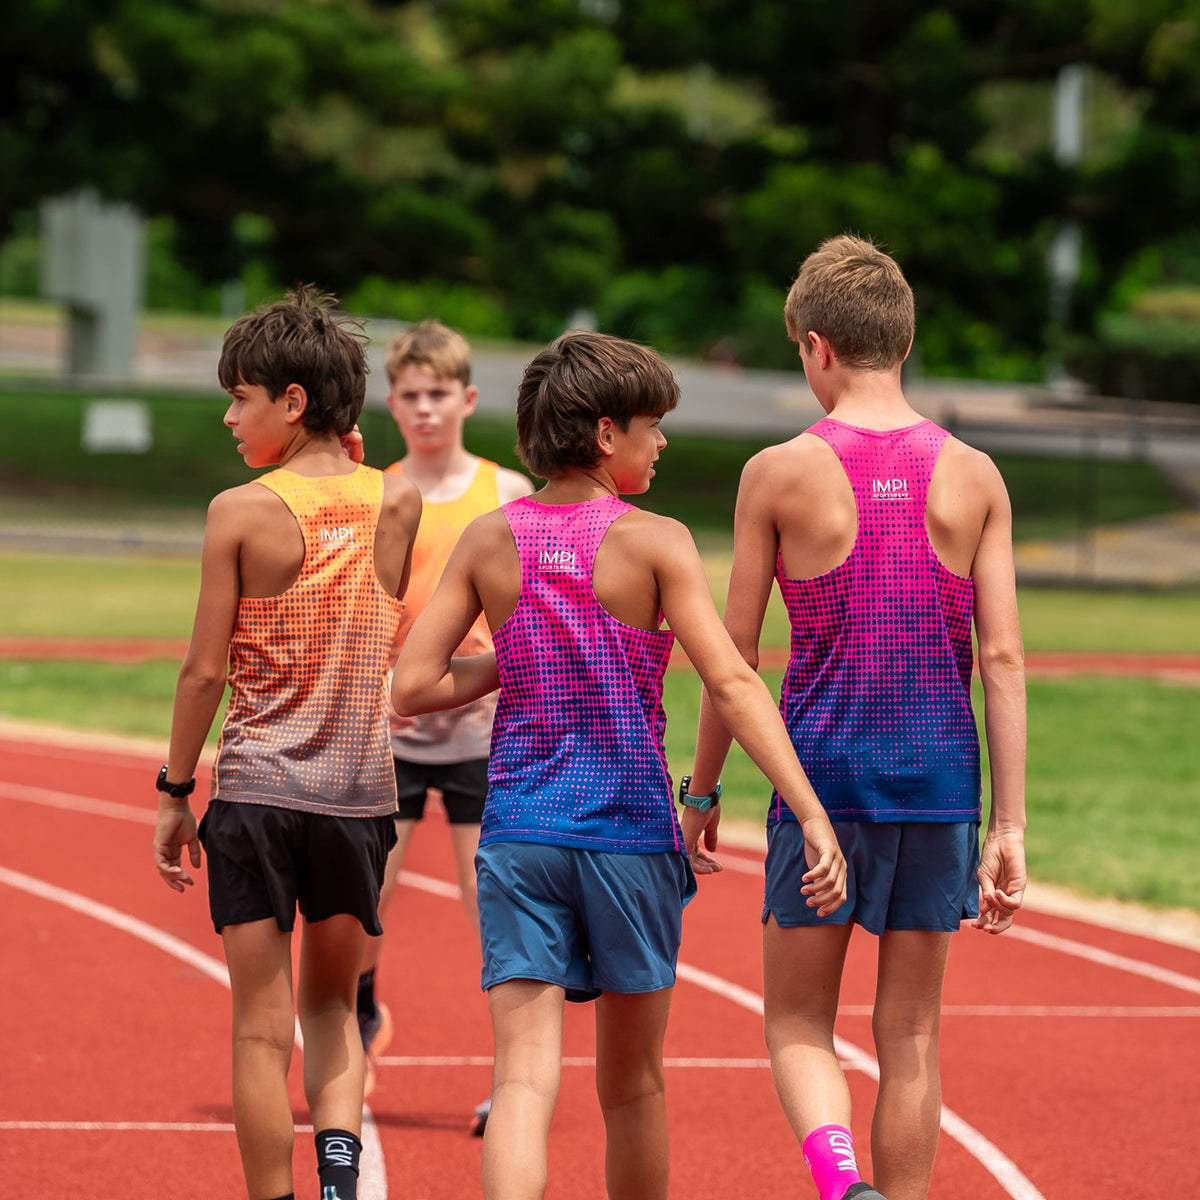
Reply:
x=877, y=693
x=577, y=745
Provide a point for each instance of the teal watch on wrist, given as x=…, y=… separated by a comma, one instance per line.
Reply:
x=699, y=803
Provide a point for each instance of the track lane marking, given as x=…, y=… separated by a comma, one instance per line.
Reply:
x=1105, y=958
x=1006, y=1173
x=999, y=1166
x=373, y=1176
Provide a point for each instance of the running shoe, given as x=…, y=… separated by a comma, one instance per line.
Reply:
x=862, y=1191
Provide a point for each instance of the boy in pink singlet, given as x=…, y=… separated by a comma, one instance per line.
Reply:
x=582, y=875
x=300, y=579
x=889, y=539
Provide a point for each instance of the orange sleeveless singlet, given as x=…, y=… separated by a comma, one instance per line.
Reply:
x=306, y=726
x=457, y=734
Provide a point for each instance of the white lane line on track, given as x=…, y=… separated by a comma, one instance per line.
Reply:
x=998, y=1165
x=1105, y=958
x=1072, y=1011
x=373, y=1176
x=76, y=803
x=485, y=1060
x=991, y=1158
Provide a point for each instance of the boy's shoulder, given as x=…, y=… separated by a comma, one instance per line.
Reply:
x=655, y=533
x=399, y=492
x=974, y=465
x=788, y=464
x=511, y=485
x=242, y=497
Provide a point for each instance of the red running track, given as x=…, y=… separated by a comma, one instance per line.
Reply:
x=1069, y=1050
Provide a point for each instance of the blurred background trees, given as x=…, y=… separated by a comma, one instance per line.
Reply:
x=659, y=167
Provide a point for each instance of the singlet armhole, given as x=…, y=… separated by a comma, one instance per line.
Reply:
x=781, y=570
x=640, y=629
x=934, y=556
x=512, y=537
x=303, y=548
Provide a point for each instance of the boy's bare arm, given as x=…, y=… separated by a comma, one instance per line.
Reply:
x=397, y=529
x=1002, y=671
x=201, y=684
x=755, y=547
x=744, y=705
x=428, y=676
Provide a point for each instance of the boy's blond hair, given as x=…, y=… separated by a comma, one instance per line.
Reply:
x=442, y=351
x=855, y=295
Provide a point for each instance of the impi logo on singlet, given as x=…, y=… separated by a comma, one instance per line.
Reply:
x=343, y=533
x=889, y=489
x=556, y=560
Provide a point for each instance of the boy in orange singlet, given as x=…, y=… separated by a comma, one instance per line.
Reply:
x=301, y=574
x=430, y=397
x=890, y=541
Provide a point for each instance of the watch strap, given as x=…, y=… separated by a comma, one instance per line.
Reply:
x=177, y=791
x=700, y=803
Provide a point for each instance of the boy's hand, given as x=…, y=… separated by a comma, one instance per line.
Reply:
x=825, y=880
x=174, y=829
x=352, y=443
x=1001, y=880
x=694, y=824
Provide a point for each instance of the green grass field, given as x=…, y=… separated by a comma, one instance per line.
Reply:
x=1113, y=773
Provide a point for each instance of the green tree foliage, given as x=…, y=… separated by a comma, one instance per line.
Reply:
x=663, y=163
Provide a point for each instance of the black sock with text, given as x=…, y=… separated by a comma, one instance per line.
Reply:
x=337, y=1164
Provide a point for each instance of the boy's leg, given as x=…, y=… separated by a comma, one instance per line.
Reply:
x=629, y=1082
x=330, y=954
x=802, y=976
x=465, y=839
x=527, y=1024
x=374, y=1017
x=391, y=872
x=904, y=1132
x=259, y=958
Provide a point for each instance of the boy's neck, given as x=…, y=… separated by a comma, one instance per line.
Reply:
x=317, y=454
x=445, y=473
x=576, y=487
x=871, y=400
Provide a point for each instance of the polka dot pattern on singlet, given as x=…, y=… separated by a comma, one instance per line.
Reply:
x=577, y=755
x=306, y=726
x=877, y=692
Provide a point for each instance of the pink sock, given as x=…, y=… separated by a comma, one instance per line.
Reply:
x=829, y=1152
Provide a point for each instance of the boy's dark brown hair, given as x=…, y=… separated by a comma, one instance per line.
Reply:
x=853, y=293
x=301, y=340
x=579, y=378
x=437, y=348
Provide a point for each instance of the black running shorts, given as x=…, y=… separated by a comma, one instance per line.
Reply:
x=265, y=861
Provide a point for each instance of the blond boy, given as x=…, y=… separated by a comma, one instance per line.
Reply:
x=889, y=539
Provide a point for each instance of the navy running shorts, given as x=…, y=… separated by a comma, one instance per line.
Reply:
x=463, y=786
x=588, y=921
x=900, y=875
x=265, y=861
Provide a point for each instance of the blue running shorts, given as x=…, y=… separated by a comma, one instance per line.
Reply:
x=588, y=921
x=901, y=875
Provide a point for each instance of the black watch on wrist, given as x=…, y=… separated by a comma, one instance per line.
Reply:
x=177, y=791
x=699, y=803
